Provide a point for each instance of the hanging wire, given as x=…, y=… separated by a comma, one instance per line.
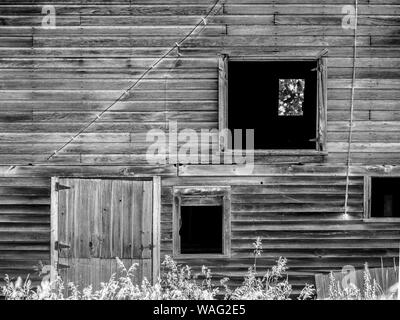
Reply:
x=346, y=201
x=177, y=45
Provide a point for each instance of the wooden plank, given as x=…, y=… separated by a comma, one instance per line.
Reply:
x=223, y=100
x=156, y=256
x=83, y=212
x=176, y=213
x=95, y=226
x=147, y=220
x=306, y=9
x=63, y=221
x=116, y=219
x=127, y=219
x=105, y=205
x=322, y=104
x=89, y=171
x=54, y=229
x=307, y=29
x=203, y=52
x=109, y=84
x=137, y=219
x=364, y=20
x=137, y=64
x=227, y=234
x=367, y=197
x=101, y=95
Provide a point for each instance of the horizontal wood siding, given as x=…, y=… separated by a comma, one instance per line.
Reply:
x=24, y=225
x=54, y=81
x=300, y=218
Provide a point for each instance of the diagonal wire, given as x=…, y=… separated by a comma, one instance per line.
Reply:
x=351, y=113
x=133, y=85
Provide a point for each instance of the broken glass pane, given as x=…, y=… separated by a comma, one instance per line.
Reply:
x=291, y=97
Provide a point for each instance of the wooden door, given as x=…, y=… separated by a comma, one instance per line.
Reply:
x=94, y=221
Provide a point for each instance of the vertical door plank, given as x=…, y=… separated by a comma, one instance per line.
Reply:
x=70, y=227
x=74, y=220
x=105, y=271
x=105, y=207
x=113, y=267
x=126, y=220
x=54, y=229
x=116, y=204
x=156, y=228
x=95, y=273
x=63, y=219
x=66, y=201
x=68, y=275
x=95, y=219
x=147, y=218
x=105, y=219
x=137, y=196
x=83, y=217
x=146, y=271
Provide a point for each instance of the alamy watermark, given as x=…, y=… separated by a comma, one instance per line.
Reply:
x=349, y=19
x=188, y=146
x=349, y=279
x=49, y=20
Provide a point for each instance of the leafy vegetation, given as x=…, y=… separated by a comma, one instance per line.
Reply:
x=177, y=282
x=370, y=289
x=291, y=97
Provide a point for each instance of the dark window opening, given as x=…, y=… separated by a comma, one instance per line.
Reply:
x=201, y=229
x=278, y=99
x=385, y=197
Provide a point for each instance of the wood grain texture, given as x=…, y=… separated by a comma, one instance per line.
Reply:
x=98, y=221
x=53, y=81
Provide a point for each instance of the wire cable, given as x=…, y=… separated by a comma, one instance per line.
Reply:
x=177, y=45
x=348, y=162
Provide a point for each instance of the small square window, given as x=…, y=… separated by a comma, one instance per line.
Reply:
x=291, y=97
x=385, y=197
x=201, y=221
x=194, y=221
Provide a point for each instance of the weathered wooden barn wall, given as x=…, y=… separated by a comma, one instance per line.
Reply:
x=53, y=81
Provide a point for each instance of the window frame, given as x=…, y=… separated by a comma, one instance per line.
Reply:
x=180, y=192
x=321, y=101
x=368, y=196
